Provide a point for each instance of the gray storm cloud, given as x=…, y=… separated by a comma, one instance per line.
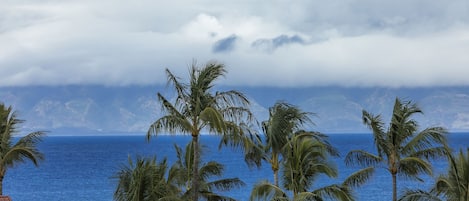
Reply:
x=306, y=43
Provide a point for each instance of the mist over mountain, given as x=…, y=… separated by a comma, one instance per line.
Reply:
x=76, y=110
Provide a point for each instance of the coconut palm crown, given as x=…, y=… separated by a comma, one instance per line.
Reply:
x=197, y=109
x=401, y=149
x=455, y=185
x=13, y=153
x=210, y=186
x=302, y=156
x=452, y=186
x=146, y=180
x=307, y=159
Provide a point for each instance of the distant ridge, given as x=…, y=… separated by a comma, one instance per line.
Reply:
x=131, y=109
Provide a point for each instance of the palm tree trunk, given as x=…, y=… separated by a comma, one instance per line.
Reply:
x=274, y=163
x=467, y=191
x=394, y=187
x=276, y=177
x=2, y=175
x=195, y=168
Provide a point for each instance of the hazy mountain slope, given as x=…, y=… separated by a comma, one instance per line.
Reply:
x=92, y=109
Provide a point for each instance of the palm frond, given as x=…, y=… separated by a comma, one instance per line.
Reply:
x=245, y=138
x=375, y=123
x=419, y=195
x=230, y=98
x=307, y=196
x=455, y=184
x=171, y=124
x=426, y=139
x=321, y=138
x=402, y=126
x=25, y=149
x=226, y=184
x=443, y=185
x=305, y=159
x=214, y=119
x=178, y=86
x=210, y=169
x=169, y=108
x=335, y=192
x=266, y=191
x=432, y=153
x=359, y=177
x=411, y=167
x=362, y=158
x=144, y=180
x=17, y=155
x=237, y=114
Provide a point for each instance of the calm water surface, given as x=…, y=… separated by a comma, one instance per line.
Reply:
x=79, y=168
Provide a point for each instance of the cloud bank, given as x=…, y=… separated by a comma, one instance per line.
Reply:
x=263, y=43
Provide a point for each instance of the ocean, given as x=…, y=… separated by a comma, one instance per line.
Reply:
x=80, y=168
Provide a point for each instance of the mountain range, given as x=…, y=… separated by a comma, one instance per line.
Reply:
x=80, y=110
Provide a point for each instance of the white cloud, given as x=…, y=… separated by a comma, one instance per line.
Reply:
x=393, y=43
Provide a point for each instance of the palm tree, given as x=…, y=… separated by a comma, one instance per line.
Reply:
x=305, y=161
x=24, y=149
x=307, y=158
x=208, y=189
x=454, y=186
x=146, y=181
x=402, y=150
x=284, y=120
x=197, y=109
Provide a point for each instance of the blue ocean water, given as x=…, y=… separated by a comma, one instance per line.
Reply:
x=79, y=168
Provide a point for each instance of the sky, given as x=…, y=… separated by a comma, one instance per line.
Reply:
x=278, y=43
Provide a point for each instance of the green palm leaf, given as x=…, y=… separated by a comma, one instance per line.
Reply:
x=25, y=149
x=359, y=178
x=334, y=192
x=419, y=195
x=267, y=191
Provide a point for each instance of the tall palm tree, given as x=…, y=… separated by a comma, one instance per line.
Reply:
x=454, y=186
x=402, y=149
x=197, y=109
x=146, y=180
x=284, y=120
x=24, y=149
x=305, y=161
x=307, y=158
x=208, y=189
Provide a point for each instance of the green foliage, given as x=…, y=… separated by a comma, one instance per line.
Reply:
x=455, y=185
x=452, y=186
x=306, y=160
x=145, y=180
x=302, y=156
x=419, y=195
x=207, y=171
x=25, y=149
x=401, y=149
x=198, y=109
x=285, y=120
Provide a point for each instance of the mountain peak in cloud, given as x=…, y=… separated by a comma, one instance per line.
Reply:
x=272, y=44
x=225, y=45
